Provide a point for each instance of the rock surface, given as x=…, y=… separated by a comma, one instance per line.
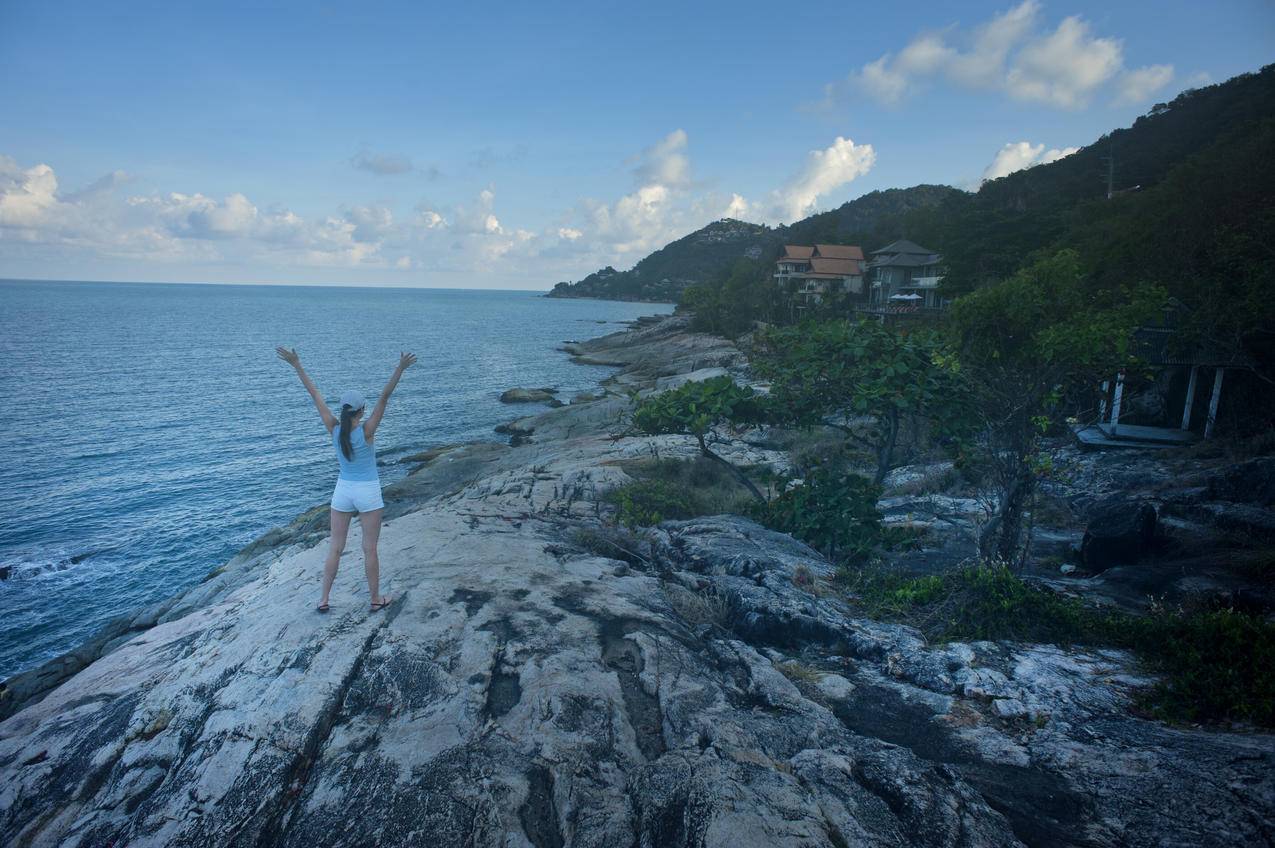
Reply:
x=527, y=689
x=541, y=395
x=1120, y=532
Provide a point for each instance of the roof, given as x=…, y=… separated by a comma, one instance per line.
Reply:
x=798, y=251
x=903, y=246
x=839, y=251
x=839, y=267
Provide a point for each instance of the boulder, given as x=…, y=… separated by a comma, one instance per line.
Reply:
x=1120, y=531
x=540, y=395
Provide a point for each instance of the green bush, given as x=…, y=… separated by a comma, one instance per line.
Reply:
x=1216, y=665
x=709, y=487
x=644, y=503
x=830, y=510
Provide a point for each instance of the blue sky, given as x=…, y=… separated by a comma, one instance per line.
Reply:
x=515, y=145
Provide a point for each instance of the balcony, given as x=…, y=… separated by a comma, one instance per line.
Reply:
x=923, y=283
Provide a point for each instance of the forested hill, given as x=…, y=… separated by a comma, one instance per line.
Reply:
x=1191, y=184
x=708, y=251
x=988, y=235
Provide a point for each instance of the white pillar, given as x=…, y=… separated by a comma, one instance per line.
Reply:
x=1115, y=403
x=1217, y=394
x=1190, y=397
x=1102, y=401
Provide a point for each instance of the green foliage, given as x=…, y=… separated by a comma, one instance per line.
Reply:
x=644, y=503
x=710, y=487
x=830, y=510
x=693, y=408
x=831, y=371
x=1217, y=665
x=731, y=300
x=1025, y=345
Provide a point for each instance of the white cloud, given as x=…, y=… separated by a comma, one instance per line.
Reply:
x=665, y=163
x=569, y=233
x=1018, y=155
x=1055, y=153
x=825, y=170
x=737, y=208
x=1138, y=86
x=1064, y=68
x=381, y=164
x=1010, y=53
x=27, y=196
x=371, y=223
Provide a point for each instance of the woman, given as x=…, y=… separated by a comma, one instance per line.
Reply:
x=358, y=487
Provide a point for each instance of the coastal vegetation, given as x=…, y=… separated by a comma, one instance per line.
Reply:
x=1049, y=275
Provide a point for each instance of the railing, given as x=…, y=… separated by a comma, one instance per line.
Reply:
x=902, y=311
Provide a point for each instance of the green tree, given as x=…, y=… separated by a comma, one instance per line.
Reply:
x=1024, y=345
x=830, y=510
x=887, y=390
x=696, y=409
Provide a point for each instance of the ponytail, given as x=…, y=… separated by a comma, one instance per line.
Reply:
x=347, y=419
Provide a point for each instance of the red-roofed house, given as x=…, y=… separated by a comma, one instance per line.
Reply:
x=811, y=273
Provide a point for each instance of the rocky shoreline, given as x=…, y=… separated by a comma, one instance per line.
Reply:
x=527, y=689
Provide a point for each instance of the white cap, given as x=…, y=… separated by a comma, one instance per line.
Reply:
x=352, y=399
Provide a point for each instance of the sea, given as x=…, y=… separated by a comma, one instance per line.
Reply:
x=150, y=432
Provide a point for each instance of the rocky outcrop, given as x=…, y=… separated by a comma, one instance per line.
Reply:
x=1120, y=531
x=535, y=686
x=542, y=395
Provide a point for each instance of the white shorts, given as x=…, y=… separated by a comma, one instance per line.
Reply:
x=357, y=495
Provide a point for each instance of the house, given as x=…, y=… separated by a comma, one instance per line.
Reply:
x=812, y=273
x=904, y=277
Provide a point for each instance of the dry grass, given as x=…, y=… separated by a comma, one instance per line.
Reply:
x=696, y=608
x=799, y=672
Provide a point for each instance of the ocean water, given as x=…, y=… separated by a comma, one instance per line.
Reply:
x=151, y=432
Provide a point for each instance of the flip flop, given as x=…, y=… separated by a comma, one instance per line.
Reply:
x=322, y=608
x=387, y=600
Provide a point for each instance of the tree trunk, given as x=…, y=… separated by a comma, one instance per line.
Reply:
x=1000, y=536
x=885, y=449
x=735, y=472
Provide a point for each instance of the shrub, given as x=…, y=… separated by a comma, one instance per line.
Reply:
x=1216, y=665
x=710, y=488
x=833, y=512
x=644, y=503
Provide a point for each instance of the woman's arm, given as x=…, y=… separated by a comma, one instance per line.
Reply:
x=294, y=359
x=373, y=421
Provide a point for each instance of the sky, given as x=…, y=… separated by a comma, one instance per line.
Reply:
x=511, y=146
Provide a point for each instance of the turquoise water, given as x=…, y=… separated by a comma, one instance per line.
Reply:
x=151, y=432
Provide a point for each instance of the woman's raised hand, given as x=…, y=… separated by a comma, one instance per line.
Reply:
x=289, y=356
x=406, y=360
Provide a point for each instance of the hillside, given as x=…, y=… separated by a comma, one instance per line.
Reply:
x=709, y=251
x=1200, y=165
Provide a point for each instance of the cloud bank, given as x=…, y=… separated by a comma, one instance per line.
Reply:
x=189, y=228
x=1064, y=67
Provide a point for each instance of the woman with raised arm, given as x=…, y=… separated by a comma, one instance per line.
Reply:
x=358, y=486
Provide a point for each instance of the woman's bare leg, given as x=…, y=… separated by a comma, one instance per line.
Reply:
x=340, y=528
x=371, y=524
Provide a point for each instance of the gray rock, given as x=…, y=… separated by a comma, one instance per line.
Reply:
x=542, y=395
x=1120, y=531
x=526, y=689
